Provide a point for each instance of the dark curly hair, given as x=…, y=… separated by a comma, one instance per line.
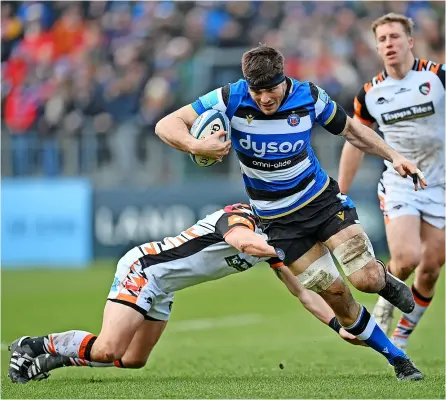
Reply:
x=261, y=64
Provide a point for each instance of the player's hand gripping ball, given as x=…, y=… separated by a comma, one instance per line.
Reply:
x=207, y=124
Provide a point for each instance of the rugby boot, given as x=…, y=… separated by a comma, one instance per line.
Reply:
x=383, y=314
x=405, y=370
x=20, y=360
x=43, y=364
x=397, y=292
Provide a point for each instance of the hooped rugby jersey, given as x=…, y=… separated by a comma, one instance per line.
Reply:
x=200, y=253
x=410, y=114
x=279, y=168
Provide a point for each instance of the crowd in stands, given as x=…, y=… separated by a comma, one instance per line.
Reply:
x=103, y=73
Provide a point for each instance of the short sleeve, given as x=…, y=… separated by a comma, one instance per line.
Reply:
x=439, y=70
x=230, y=220
x=215, y=100
x=328, y=113
x=359, y=105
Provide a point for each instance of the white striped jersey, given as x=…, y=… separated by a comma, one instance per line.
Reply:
x=200, y=253
x=410, y=114
x=280, y=170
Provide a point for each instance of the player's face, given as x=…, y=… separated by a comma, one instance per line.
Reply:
x=269, y=100
x=392, y=43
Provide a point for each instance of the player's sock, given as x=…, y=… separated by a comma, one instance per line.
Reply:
x=366, y=329
x=58, y=361
x=43, y=364
x=75, y=344
x=408, y=322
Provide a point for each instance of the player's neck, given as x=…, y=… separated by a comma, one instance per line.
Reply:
x=401, y=70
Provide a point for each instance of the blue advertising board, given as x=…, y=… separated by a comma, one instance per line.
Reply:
x=46, y=222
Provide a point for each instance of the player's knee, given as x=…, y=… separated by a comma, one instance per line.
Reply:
x=405, y=261
x=428, y=275
x=432, y=258
x=370, y=278
x=107, y=352
x=357, y=259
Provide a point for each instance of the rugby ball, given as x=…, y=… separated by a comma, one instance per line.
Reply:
x=208, y=123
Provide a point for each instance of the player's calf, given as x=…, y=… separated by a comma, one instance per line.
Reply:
x=404, y=262
x=340, y=299
x=370, y=278
x=427, y=273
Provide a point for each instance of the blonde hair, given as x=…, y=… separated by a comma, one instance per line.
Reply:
x=406, y=22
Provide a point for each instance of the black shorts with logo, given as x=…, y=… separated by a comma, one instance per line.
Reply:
x=298, y=232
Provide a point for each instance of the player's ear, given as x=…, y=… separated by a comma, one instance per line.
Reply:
x=410, y=42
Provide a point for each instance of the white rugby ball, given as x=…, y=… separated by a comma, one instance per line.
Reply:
x=208, y=123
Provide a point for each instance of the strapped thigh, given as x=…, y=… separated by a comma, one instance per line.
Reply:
x=354, y=253
x=320, y=274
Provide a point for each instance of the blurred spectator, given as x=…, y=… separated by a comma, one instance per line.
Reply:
x=36, y=11
x=37, y=44
x=97, y=76
x=11, y=29
x=68, y=31
x=20, y=117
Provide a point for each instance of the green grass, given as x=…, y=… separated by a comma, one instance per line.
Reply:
x=222, y=361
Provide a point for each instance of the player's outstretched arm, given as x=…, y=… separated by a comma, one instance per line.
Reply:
x=368, y=141
x=249, y=242
x=174, y=129
x=314, y=303
x=351, y=159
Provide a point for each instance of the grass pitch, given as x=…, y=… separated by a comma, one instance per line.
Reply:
x=225, y=339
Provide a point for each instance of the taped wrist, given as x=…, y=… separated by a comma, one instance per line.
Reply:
x=335, y=325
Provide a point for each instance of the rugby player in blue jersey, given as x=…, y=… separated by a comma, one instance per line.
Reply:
x=300, y=206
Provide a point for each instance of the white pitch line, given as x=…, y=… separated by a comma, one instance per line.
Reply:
x=211, y=323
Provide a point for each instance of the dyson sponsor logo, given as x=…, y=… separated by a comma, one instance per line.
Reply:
x=262, y=148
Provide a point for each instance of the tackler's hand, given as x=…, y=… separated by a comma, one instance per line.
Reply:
x=406, y=168
x=348, y=337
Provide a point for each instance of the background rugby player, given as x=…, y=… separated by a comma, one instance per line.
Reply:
x=406, y=100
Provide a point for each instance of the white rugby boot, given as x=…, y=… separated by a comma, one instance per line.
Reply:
x=383, y=314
